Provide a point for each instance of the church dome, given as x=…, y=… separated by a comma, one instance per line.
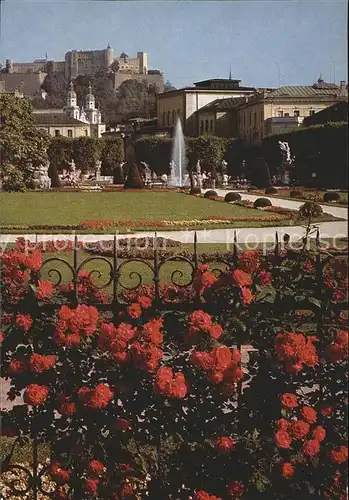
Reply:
x=71, y=91
x=90, y=96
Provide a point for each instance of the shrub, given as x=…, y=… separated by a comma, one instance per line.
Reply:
x=134, y=179
x=12, y=179
x=195, y=190
x=232, y=197
x=296, y=193
x=271, y=190
x=332, y=196
x=53, y=174
x=262, y=203
x=210, y=194
x=310, y=209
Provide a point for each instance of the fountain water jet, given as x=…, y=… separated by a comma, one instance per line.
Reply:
x=178, y=161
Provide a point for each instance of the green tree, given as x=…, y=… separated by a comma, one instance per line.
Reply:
x=20, y=141
x=209, y=150
x=156, y=151
x=61, y=152
x=112, y=155
x=86, y=152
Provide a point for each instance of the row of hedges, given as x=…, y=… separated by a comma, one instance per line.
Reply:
x=320, y=149
x=210, y=150
x=86, y=151
x=157, y=403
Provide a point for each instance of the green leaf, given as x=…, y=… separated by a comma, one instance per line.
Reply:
x=315, y=301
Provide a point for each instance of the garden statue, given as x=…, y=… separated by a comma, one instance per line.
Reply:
x=154, y=176
x=39, y=176
x=224, y=166
x=287, y=163
x=98, y=169
x=199, y=176
x=164, y=179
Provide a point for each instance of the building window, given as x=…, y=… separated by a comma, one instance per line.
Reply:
x=70, y=133
x=86, y=132
x=255, y=118
x=249, y=117
x=179, y=113
x=57, y=133
x=173, y=116
x=202, y=127
x=311, y=112
x=280, y=113
x=287, y=114
x=206, y=125
x=211, y=125
x=296, y=112
x=168, y=118
x=163, y=119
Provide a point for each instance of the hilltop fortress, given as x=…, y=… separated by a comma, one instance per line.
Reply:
x=90, y=62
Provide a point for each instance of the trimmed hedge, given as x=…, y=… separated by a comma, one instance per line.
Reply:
x=332, y=196
x=229, y=197
x=210, y=194
x=195, y=190
x=262, y=203
x=271, y=190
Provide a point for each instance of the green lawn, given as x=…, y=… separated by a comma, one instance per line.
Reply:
x=59, y=208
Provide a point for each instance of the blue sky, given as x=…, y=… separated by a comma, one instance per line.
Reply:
x=265, y=43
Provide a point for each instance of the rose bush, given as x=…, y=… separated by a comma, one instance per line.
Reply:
x=149, y=402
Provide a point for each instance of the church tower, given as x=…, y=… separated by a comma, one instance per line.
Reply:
x=71, y=108
x=90, y=108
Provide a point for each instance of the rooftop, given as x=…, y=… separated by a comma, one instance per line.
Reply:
x=224, y=104
x=56, y=119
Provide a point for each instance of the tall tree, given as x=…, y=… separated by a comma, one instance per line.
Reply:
x=20, y=141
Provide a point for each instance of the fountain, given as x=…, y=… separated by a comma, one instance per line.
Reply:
x=178, y=162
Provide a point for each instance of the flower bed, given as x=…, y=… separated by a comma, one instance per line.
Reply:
x=149, y=399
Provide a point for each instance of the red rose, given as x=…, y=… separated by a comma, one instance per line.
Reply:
x=91, y=485
x=1, y=337
x=33, y=260
x=35, y=395
x=309, y=414
x=203, y=360
x=327, y=411
x=145, y=357
x=145, y=302
x=39, y=363
x=134, y=311
x=241, y=279
x=24, y=321
x=224, y=444
x=203, y=495
x=337, y=352
x=61, y=476
x=246, y=295
x=215, y=331
x=44, y=290
x=216, y=377
x=299, y=428
x=179, y=386
x=236, y=489
x=287, y=469
x=222, y=357
x=311, y=447
x=96, y=467
x=99, y=397
x=17, y=366
x=249, y=261
x=121, y=424
x=67, y=408
x=319, y=433
x=339, y=456
x=283, y=424
x=289, y=400
x=265, y=278
x=201, y=320
x=126, y=490
x=282, y=439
